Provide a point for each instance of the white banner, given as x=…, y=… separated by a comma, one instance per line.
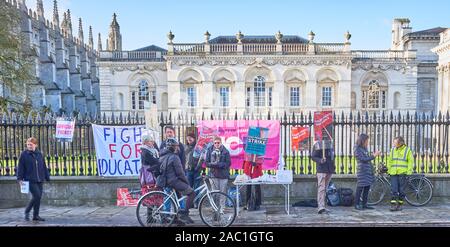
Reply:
x=118, y=149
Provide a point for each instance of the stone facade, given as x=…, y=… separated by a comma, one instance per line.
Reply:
x=443, y=50
x=276, y=74
x=65, y=67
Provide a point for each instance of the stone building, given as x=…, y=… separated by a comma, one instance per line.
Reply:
x=64, y=65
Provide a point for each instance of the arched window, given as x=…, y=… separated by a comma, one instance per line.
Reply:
x=374, y=96
x=143, y=94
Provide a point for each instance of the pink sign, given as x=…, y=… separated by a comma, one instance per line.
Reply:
x=234, y=136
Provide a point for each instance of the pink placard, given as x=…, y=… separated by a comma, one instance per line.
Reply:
x=234, y=134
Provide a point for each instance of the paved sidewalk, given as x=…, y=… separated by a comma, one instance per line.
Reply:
x=432, y=215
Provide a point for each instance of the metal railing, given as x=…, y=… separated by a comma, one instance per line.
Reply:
x=426, y=135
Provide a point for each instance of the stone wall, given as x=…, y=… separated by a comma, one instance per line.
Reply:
x=94, y=191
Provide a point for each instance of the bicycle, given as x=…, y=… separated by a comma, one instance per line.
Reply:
x=418, y=188
x=160, y=208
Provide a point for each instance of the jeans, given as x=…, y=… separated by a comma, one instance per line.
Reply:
x=365, y=193
x=221, y=185
x=36, y=190
x=398, y=183
x=194, y=179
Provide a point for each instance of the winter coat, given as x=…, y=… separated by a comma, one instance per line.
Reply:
x=364, y=174
x=192, y=163
x=326, y=167
x=150, y=160
x=172, y=172
x=220, y=167
x=181, y=154
x=32, y=167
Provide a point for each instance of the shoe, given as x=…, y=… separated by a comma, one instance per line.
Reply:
x=27, y=216
x=321, y=211
x=178, y=222
x=359, y=207
x=186, y=219
x=368, y=207
x=37, y=218
x=399, y=208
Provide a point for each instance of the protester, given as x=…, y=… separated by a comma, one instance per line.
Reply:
x=219, y=161
x=365, y=174
x=193, y=164
x=149, y=160
x=32, y=169
x=325, y=169
x=173, y=176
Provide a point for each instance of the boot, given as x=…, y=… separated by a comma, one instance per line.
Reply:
x=368, y=207
x=37, y=218
x=184, y=217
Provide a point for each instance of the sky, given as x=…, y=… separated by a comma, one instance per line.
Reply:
x=147, y=22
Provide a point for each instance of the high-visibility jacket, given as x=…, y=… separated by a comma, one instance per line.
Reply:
x=400, y=161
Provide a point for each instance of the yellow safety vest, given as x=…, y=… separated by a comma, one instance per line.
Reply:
x=400, y=161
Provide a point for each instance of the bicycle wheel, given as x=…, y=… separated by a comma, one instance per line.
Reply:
x=377, y=192
x=214, y=212
x=156, y=209
x=418, y=191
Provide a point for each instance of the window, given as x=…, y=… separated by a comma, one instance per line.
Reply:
x=153, y=96
x=143, y=94
x=224, y=96
x=374, y=97
x=260, y=91
x=192, y=97
x=295, y=96
x=326, y=96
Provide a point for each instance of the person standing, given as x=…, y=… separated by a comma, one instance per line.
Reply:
x=400, y=165
x=219, y=161
x=325, y=169
x=365, y=175
x=169, y=132
x=149, y=160
x=193, y=164
x=32, y=169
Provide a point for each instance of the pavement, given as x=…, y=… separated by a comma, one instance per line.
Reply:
x=437, y=214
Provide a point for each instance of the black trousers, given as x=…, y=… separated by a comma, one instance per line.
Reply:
x=364, y=191
x=257, y=189
x=36, y=190
x=398, y=183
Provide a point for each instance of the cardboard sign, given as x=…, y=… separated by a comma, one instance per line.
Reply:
x=257, y=141
x=300, y=138
x=323, y=126
x=64, y=130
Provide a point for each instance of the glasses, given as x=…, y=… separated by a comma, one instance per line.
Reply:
x=217, y=142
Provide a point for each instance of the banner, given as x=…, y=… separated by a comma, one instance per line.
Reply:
x=323, y=126
x=64, y=130
x=118, y=149
x=234, y=134
x=300, y=138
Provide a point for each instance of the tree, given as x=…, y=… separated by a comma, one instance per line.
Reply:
x=15, y=63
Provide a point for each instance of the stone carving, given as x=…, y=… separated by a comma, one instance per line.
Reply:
x=269, y=61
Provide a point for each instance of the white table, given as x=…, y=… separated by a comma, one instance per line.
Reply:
x=286, y=187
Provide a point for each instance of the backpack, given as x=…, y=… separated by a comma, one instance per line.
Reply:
x=346, y=196
x=333, y=197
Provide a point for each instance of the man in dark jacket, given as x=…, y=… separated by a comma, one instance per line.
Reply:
x=325, y=168
x=170, y=133
x=193, y=164
x=173, y=176
x=219, y=161
x=32, y=168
